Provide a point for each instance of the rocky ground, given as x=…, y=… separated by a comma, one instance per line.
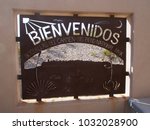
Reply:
x=71, y=51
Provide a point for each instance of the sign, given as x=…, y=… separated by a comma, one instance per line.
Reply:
x=70, y=78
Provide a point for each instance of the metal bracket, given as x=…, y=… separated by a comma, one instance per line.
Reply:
x=19, y=77
x=127, y=73
x=112, y=16
x=127, y=39
x=76, y=97
x=17, y=39
x=39, y=100
x=75, y=15
x=111, y=20
x=111, y=94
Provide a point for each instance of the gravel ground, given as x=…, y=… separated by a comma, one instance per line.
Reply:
x=68, y=52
